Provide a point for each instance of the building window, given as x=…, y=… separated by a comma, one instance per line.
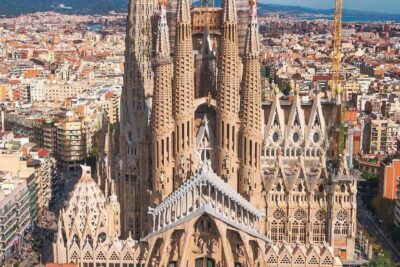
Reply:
x=210, y=262
x=278, y=226
x=205, y=262
x=319, y=227
x=341, y=224
x=299, y=227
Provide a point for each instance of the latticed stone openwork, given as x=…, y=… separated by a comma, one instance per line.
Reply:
x=207, y=193
x=237, y=187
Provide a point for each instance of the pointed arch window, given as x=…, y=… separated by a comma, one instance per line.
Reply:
x=299, y=227
x=341, y=224
x=278, y=226
x=320, y=227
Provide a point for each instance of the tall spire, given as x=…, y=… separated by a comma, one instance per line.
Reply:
x=183, y=100
x=183, y=14
x=252, y=45
x=251, y=116
x=162, y=122
x=229, y=11
x=163, y=46
x=228, y=122
x=138, y=85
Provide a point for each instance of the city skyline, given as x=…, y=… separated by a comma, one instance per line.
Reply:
x=385, y=6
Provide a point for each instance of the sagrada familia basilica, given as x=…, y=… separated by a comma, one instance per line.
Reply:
x=202, y=171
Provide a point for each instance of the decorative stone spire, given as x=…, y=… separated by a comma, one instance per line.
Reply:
x=230, y=12
x=183, y=14
x=162, y=121
x=251, y=116
x=135, y=110
x=163, y=46
x=206, y=47
x=228, y=97
x=183, y=100
x=252, y=43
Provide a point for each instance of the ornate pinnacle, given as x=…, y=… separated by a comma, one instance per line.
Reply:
x=253, y=8
x=276, y=89
x=252, y=39
x=209, y=98
x=296, y=89
x=183, y=11
x=163, y=49
x=229, y=12
x=163, y=2
x=292, y=84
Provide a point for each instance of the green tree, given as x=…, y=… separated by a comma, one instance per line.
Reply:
x=383, y=259
x=396, y=235
x=384, y=209
x=284, y=86
x=369, y=176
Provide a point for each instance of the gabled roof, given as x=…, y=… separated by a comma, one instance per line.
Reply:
x=207, y=178
x=210, y=177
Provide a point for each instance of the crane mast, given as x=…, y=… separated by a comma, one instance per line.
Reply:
x=336, y=90
x=337, y=45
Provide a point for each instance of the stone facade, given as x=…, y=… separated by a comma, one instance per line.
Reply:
x=209, y=175
x=89, y=229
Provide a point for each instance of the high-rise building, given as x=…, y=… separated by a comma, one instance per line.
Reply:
x=71, y=142
x=14, y=213
x=219, y=178
x=384, y=136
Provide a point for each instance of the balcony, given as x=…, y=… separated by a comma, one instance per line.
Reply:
x=9, y=220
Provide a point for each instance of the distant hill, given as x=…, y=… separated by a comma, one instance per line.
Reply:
x=348, y=14
x=17, y=7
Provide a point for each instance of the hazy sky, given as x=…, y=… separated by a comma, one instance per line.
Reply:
x=388, y=6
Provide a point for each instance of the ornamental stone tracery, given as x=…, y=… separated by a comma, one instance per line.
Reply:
x=204, y=164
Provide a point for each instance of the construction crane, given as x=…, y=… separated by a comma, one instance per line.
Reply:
x=336, y=89
x=337, y=46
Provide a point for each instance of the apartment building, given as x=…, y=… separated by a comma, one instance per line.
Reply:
x=46, y=180
x=15, y=213
x=71, y=142
x=384, y=136
x=111, y=107
x=61, y=90
x=389, y=180
x=34, y=164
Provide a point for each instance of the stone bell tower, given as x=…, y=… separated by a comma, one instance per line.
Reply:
x=183, y=100
x=162, y=122
x=250, y=183
x=228, y=102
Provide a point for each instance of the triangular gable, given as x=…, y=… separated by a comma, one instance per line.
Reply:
x=312, y=256
x=87, y=255
x=271, y=255
x=299, y=255
x=101, y=253
x=316, y=130
x=296, y=124
x=275, y=124
x=327, y=257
